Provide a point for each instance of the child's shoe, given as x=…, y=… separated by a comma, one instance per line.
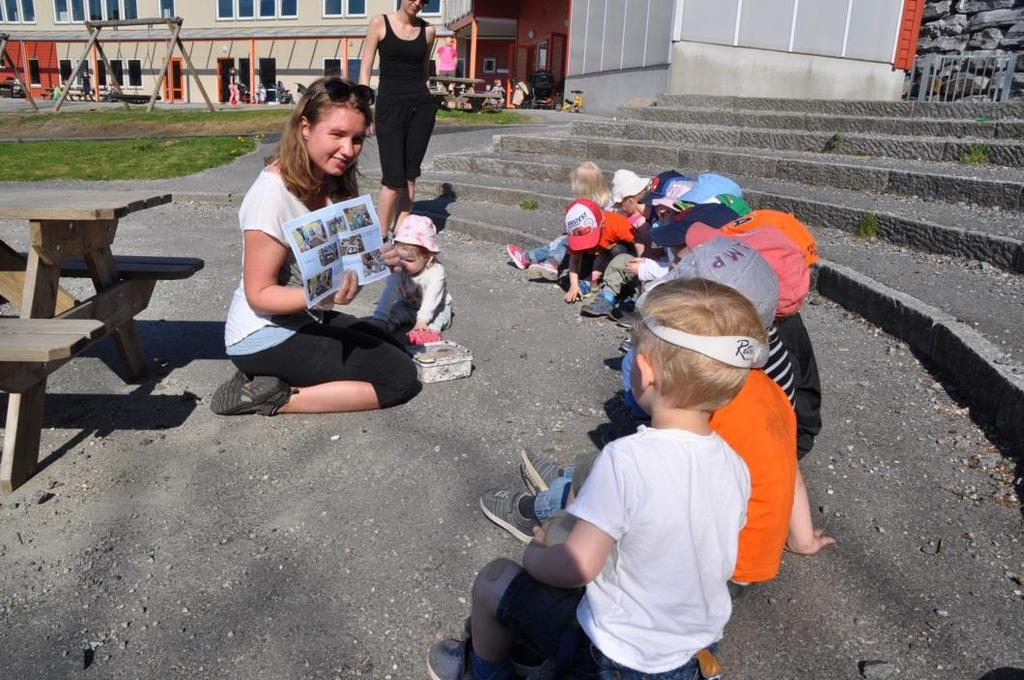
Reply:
x=517, y=255
x=449, y=660
x=624, y=313
x=423, y=336
x=539, y=471
x=601, y=305
x=546, y=270
x=502, y=508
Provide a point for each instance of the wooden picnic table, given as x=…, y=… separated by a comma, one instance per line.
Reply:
x=70, y=234
x=461, y=92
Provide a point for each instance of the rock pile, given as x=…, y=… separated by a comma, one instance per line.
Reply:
x=975, y=27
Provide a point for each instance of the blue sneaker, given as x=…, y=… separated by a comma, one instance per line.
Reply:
x=601, y=305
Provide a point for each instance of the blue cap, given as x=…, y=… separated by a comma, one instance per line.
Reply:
x=664, y=184
x=708, y=186
x=673, y=232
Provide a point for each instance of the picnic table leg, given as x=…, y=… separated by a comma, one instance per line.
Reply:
x=12, y=280
x=25, y=410
x=101, y=267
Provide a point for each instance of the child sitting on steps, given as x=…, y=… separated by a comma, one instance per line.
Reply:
x=416, y=295
x=545, y=262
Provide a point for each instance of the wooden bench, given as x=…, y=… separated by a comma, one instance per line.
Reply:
x=477, y=100
x=131, y=267
x=46, y=340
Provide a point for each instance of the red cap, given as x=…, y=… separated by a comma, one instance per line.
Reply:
x=583, y=224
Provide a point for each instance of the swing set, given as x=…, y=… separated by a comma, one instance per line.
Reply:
x=5, y=60
x=173, y=24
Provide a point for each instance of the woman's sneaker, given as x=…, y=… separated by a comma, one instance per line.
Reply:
x=502, y=508
x=264, y=395
x=517, y=255
x=546, y=270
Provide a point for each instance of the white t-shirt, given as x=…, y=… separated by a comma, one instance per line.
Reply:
x=266, y=205
x=674, y=502
x=426, y=291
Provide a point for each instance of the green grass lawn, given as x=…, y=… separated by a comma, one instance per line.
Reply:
x=151, y=158
x=189, y=122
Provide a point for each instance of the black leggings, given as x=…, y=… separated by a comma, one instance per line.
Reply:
x=797, y=342
x=403, y=133
x=341, y=348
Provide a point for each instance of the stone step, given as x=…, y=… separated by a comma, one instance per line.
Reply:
x=991, y=236
x=962, y=318
x=900, y=109
x=989, y=186
x=980, y=127
x=995, y=151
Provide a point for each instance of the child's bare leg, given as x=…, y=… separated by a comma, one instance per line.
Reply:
x=491, y=641
x=803, y=538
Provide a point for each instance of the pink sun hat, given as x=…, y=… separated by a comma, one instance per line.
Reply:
x=417, y=230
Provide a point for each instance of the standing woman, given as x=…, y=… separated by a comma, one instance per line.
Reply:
x=405, y=107
x=290, y=359
x=233, y=86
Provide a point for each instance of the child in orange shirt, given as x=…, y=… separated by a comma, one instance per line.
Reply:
x=590, y=231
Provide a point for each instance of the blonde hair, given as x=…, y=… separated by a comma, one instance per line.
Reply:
x=587, y=181
x=687, y=379
x=291, y=155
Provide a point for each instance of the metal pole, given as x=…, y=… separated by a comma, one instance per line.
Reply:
x=1011, y=68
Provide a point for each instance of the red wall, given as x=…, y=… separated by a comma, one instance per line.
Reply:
x=498, y=9
x=45, y=52
x=496, y=48
x=543, y=18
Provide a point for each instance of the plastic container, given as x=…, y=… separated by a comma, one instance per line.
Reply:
x=441, y=361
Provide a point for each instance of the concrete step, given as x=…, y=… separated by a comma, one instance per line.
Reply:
x=900, y=109
x=986, y=185
x=996, y=151
x=991, y=236
x=980, y=127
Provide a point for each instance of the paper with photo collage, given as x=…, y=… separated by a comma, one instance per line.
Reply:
x=330, y=241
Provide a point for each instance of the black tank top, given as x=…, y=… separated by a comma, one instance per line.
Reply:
x=402, y=79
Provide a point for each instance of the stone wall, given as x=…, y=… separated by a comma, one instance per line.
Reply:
x=976, y=27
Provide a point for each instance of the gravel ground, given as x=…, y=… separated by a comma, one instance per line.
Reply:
x=182, y=545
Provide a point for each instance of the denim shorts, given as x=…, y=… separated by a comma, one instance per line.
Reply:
x=543, y=618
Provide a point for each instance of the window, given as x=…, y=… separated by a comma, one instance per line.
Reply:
x=134, y=73
x=268, y=72
x=167, y=8
x=28, y=11
x=95, y=10
x=33, y=72
x=131, y=9
x=332, y=67
x=60, y=11
x=101, y=74
x=117, y=67
x=356, y=7
x=67, y=11
x=12, y=14
x=338, y=8
x=332, y=8
x=225, y=9
x=246, y=9
x=429, y=6
x=267, y=10
x=78, y=10
x=288, y=8
x=65, y=67
x=490, y=65
x=353, y=69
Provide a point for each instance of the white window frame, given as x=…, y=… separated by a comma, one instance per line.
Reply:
x=21, y=13
x=159, y=12
x=492, y=61
x=279, y=6
x=350, y=13
x=85, y=11
x=345, y=10
x=234, y=11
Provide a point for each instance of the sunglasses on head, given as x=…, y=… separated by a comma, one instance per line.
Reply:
x=340, y=90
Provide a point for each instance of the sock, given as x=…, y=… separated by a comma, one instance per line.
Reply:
x=526, y=507
x=491, y=670
x=555, y=498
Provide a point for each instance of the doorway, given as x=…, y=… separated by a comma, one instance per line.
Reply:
x=174, y=84
x=224, y=66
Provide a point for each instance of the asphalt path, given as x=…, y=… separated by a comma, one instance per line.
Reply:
x=179, y=544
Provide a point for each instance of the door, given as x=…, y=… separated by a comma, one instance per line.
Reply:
x=224, y=78
x=174, y=83
x=268, y=76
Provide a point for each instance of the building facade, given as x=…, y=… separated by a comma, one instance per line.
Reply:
x=292, y=41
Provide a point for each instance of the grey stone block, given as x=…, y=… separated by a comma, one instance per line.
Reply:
x=954, y=189
x=893, y=147
x=1013, y=38
x=997, y=17
x=936, y=9
x=843, y=176
x=973, y=6
x=987, y=39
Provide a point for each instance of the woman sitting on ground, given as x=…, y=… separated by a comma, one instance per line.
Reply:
x=290, y=359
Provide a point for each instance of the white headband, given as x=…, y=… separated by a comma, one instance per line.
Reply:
x=740, y=351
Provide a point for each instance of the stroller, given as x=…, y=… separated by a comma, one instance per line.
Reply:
x=542, y=90
x=283, y=95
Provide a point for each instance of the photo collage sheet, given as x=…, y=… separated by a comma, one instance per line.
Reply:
x=341, y=237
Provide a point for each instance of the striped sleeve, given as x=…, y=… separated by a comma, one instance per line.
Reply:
x=779, y=367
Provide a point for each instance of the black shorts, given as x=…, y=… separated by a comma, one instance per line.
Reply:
x=341, y=348
x=403, y=133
